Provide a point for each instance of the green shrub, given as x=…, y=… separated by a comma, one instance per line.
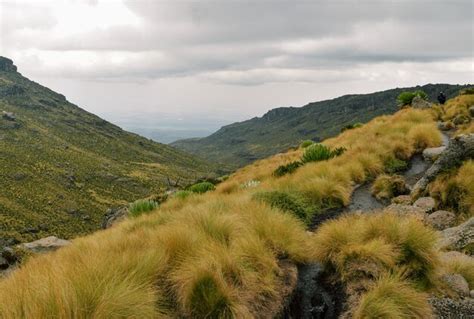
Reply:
x=306, y=143
x=287, y=169
x=201, y=188
x=351, y=126
x=182, y=194
x=405, y=98
x=395, y=165
x=467, y=91
x=320, y=152
x=141, y=206
x=291, y=203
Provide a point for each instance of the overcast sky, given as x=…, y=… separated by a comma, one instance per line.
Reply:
x=233, y=59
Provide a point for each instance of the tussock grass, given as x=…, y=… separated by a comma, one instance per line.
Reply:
x=461, y=264
x=455, y=190
x=389, y=186
x=141, y=206
x=391, y=297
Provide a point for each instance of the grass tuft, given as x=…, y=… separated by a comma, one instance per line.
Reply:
x=141, y=206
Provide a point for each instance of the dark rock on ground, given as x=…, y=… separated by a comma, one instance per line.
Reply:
x=447, y=308
x=114, y=216
x=458, y=237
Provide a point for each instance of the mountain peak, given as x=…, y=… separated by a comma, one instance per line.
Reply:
x=7, y=65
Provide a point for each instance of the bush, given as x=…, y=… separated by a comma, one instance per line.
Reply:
x=388, y=186
x=395, y=165
x=351, y=126
x=320, y=152
x=182, y=194
x=405, y=98
x=291, y=203
x=306, y=143
x=201, y=188
x=141, y=206
x=286, y=169
x=467, y=91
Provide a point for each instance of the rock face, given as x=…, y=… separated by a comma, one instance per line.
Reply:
x=459, y=149
x=432, y=153
x=458, y=237
x=441, y=219
x=114, y=216
x=46, y=244
x=419, y=103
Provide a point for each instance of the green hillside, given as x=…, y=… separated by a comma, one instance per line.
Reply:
x=281, y=128
x=62, y=167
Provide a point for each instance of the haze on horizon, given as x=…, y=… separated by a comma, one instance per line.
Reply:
x=196, y=65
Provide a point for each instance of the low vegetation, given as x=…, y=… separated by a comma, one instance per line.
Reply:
x=287, y=168
x=141, y=206
x=389, y=186
x=306, y=143
x=405, y=98
x=202, y=187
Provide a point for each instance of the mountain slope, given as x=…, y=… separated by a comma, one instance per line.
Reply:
x=62, y=167
x=281, y=128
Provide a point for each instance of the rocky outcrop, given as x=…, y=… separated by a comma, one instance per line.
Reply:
x=8, y=116
x=459, y=237
x=114, y=216
x=447, y=308
x=419, y=103
x=407, y=210
x=427, y=204
x=402, y=199
x=459, y=149
x=6, y=65
x=456, y=283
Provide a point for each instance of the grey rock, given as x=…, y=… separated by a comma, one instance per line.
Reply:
x=459, y=149
x=457, y=283
x=9, y=255
x=46, y=244
x=441, y=219
x=447, y=308
x=432, y=153
x=427, y=204
x=8, y=116
x=419, y=103
x=445, y=126
x=458, y=237
x=471, y=294
x=407, y=210
x=114, y=216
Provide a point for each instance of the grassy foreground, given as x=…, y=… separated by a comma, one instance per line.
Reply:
x=220, y=254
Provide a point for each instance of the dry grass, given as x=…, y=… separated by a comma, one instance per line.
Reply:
x=455, y=190
x=388, y=186
x=460, y=264
x=217, y=254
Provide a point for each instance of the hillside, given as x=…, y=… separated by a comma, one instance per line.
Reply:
x=61, y=167
x=281, y=128
x=262, y=246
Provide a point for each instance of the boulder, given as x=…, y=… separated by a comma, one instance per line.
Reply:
x=459, y=149
x=432, y=153
x=402, y=199
x=458, y=237
x=114, y=216
x=457, y=283
x=441, y=219
x=45, y=244
x=427, y=204
x=445, y=126
x=8, y=116
x=419, y=103
x=407, y=210
x=450, y=308
x=3, y=263
x=9, y=255
x=471, y=294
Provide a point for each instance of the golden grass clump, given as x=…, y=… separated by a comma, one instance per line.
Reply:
x=388, y=186
x=392, y=297
x=455, y=190
x=460, y=264
x=214, y=258
x=366, y=246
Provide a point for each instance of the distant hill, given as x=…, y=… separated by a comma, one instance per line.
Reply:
x=62, y=167
x=281, y=128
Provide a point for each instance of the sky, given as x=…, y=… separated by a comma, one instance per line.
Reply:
x=206, y=63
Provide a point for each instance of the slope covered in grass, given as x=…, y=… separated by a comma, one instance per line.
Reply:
x=223, y=253
x=279, y=129
x=61, y=167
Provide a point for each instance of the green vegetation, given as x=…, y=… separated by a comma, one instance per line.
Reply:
x=202, y=187
x=389, y=186
x=280, y=129
x=61, y=167
x=287, y=168
x=292, y=203
x=141, y=206
x=405, y=98
x=320, y=152
x=306, y=143
x=394, y=165
x=182, y=194
x=351, y=126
